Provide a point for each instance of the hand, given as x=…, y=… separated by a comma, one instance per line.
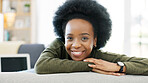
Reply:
x=107, y=72
x=103, y=67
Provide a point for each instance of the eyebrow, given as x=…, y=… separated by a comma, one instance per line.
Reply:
x=85, y=34
x=69, y=34
x=80, y=34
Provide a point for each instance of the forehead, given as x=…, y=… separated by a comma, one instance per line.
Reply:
x=77, y=26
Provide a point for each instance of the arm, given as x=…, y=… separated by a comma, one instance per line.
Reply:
x=50, y=61
x=137, y=66
x=108, y=64
x=133, y=65
x=47, y=65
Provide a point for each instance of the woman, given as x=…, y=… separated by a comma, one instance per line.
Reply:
x=83, y=27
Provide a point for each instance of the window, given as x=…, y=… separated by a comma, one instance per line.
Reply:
x=116, y=11
x=139, y=28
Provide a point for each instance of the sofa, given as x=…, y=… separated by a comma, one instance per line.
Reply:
x=77, y=77
x=29, y=76
x=34, y=50
x=17, y=47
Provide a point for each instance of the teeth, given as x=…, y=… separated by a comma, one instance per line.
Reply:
x=77, y=53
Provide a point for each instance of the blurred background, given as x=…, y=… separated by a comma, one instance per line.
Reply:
x=30, y=21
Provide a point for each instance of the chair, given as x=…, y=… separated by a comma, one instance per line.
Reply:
x=33, y=49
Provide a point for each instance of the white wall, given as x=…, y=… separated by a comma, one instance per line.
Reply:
x=45, y=12
x=116, y=11
x=127, y=27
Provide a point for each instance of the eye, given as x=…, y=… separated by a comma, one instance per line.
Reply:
x=69, y=38
x=84, y=38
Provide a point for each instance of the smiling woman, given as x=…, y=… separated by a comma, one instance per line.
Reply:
x=79, y=39
x=81, y=35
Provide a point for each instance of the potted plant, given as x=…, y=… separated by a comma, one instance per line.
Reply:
x=27, y=7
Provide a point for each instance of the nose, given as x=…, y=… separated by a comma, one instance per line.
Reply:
x=76, y=44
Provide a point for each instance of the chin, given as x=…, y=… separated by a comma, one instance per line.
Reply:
x=77, y=59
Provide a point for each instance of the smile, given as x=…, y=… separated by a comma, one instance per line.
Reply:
x=77, y=54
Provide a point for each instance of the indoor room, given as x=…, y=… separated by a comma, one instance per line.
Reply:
x=27, y=29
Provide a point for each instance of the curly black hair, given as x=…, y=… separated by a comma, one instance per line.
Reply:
x=88, y=10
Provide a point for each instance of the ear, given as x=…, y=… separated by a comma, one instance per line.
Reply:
x=95, y=41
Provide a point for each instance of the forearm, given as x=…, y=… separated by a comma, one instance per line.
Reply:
x=136, y=68
x=117, y=67
x=133, y=65
x=56, y=65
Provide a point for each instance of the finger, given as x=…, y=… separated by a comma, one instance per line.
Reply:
x=100, y=67
x=91, y=65
x=89, y=60
x=92, y=60
x=118, y=74
x=96, y=66
x=102, y=72
x=107, y=73
x=98, y=61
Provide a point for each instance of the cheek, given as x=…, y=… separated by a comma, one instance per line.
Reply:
x=89, y=46
x=67, y=45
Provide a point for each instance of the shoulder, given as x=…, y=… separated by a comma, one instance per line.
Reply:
x=57, y=43
x=107, y=55
x=101, y=52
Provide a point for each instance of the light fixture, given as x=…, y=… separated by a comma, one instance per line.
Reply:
x=9, y=19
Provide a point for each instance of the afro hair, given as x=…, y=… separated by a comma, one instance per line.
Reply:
x=88, y=10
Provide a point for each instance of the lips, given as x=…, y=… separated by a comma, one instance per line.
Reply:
x=77, y=54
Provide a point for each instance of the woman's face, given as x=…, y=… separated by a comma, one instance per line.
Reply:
x=79, y=39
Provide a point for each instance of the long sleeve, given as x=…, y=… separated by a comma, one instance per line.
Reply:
x=54, y=59
x=133, y=65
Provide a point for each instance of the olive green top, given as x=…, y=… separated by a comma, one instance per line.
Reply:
x=55, y=59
